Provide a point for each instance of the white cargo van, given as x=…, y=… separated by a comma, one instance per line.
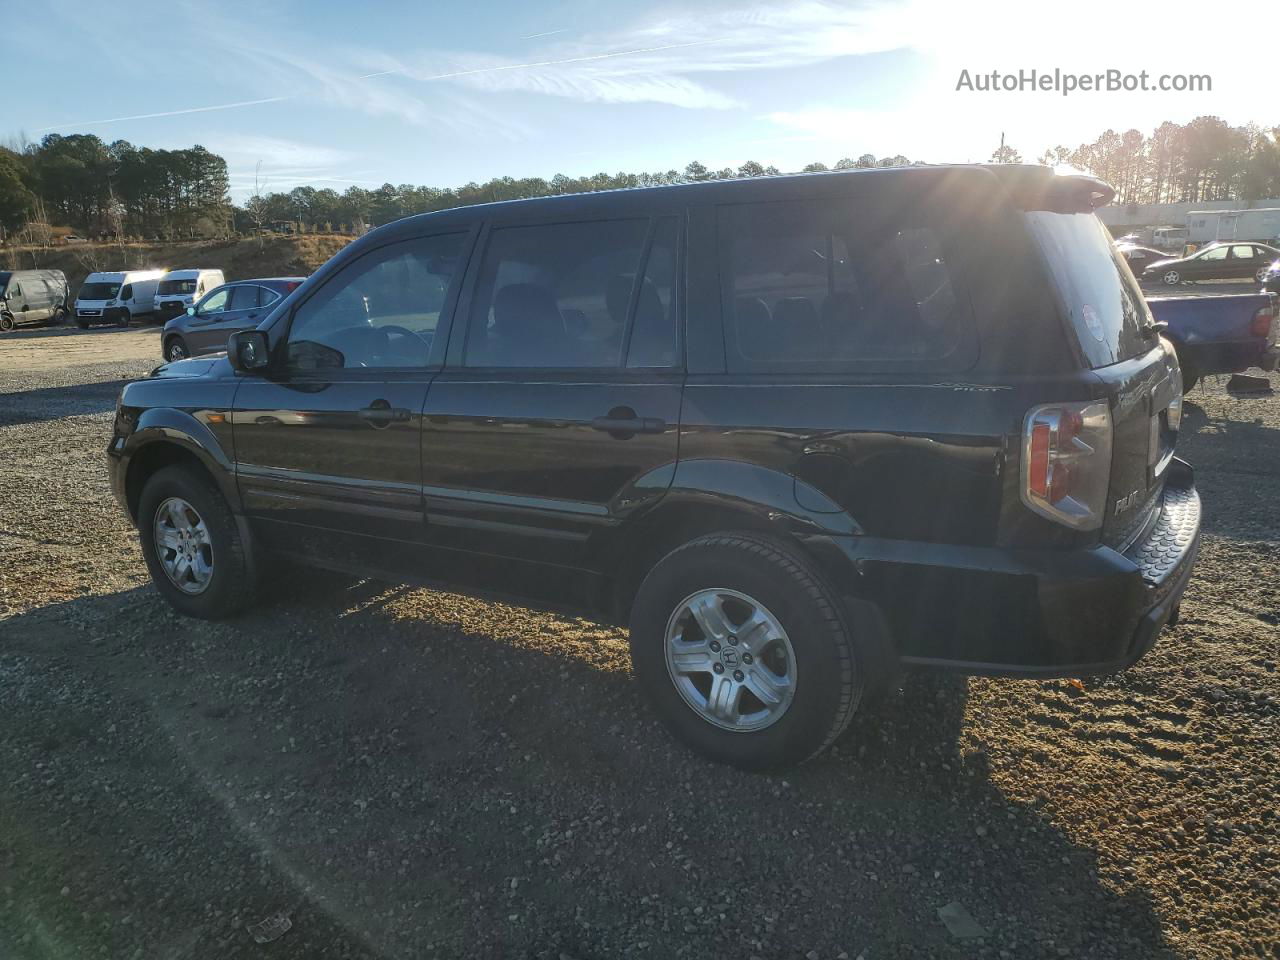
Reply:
x=117, y=297
x=179, y=289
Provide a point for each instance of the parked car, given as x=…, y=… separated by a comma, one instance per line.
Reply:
x=29, y=296
x=1139, y=258
x=1220, y=334
x=179, y=289
x=205, y=327
x=116, y=297
x=796, y=431
x=1217, y=261
x=1271, y=279
x=1129, y=239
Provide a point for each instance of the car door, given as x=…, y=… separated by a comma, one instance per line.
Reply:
x=1209, y=265
x=328, y=445
x=202, y=331
x=557, y=415
x=17, y=299
x=1243, y=261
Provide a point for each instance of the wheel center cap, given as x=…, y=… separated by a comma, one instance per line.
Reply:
x=730, y=657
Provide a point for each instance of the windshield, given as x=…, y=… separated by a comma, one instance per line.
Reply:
x=1104, y=304
x=99, y=291
x=175, y=287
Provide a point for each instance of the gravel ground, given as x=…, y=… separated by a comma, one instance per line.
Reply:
x=413, y=773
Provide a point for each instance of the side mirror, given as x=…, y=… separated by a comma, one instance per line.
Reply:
x=248, y=351
x=191, y=311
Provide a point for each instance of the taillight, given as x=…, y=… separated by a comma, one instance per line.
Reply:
x=1066, y=462
x=1261, y=326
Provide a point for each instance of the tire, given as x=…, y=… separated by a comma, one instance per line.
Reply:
x=6, y=322
x=1190, y=376
x=59, y=316
x=125, y=319
x=1261, y=274
x=1171, y=278
x=825, y=664
x=82, y=324
x=175, y=348
x=230, y=586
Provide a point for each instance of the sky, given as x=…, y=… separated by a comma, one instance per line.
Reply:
x=332, y=94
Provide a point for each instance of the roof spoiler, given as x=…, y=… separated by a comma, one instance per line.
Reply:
x=1061, y=190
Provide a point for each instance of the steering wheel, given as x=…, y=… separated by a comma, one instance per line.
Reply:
x=391, y=328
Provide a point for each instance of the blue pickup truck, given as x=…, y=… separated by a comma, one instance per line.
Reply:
x=1220, y=334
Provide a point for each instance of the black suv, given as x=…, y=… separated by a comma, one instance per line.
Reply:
x=796, y=431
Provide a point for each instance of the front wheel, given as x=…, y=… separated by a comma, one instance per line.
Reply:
x=175, y=349
x=745, y=653
x=1171, y=278
x=6, y=322
x=192, y=545
x=125, y=318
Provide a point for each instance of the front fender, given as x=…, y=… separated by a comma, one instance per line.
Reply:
x=193, y=433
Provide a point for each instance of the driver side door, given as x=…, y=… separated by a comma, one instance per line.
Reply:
x=328, y=444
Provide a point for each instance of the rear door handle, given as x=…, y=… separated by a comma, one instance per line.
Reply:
x=629, y=425
x=380, y=413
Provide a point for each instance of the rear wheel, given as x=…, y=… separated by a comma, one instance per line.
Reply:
x=1190, y=376
x=59, y=315
x=6, y=322
x=192, y=545
x=1261, y=273
x=745, y=653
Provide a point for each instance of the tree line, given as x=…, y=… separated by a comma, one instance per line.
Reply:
x=326, y=208
x=118, y=189
x=114, y=189
x=1206, y=159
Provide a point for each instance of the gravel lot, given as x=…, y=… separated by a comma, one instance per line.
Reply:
x=411, y=773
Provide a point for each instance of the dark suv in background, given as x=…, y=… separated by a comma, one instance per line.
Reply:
x=795, y=431
x=206, y=326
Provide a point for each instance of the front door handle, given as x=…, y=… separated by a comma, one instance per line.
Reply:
x=380, y=413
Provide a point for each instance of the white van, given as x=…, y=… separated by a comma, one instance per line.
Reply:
x=180, y=289
x=117, y=297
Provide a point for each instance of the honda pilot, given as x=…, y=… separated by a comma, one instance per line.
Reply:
x=797, y=432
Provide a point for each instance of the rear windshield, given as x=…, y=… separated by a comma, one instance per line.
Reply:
x=99, y=291
x=1103, y=302
x=173, y=287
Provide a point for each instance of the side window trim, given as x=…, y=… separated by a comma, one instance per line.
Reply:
x=677, y=298
x=445, y=321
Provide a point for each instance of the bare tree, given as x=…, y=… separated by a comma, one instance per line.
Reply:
x=256, y=206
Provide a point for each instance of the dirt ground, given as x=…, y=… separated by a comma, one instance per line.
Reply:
x=412, y=773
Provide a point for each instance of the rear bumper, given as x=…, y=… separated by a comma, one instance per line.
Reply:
x=1035, y=613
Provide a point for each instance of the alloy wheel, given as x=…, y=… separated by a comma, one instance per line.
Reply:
x=1172, y=277
x=183, y=546
x=731, y=660
x=176, y=351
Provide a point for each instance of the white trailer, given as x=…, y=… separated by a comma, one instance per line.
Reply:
x=1261, y=224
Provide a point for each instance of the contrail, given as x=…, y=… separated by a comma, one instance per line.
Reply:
x=167, y=113
x=549, y=33
x=547, y=63
x=387, y=73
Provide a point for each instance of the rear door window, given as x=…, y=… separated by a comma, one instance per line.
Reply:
x=1103, y=303
x=556, y=295
x=245, y=297
x=822, y=285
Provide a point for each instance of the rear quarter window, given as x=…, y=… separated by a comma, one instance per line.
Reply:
x=1102, y=301
x=821, y=286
